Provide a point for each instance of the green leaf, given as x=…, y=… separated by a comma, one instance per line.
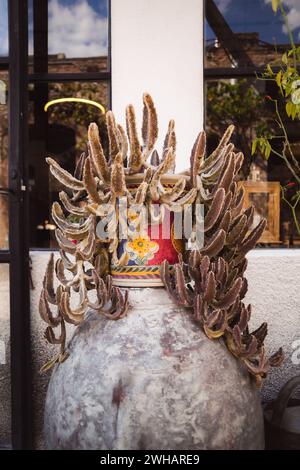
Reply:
x=268, y=150
x=288, y=89
x=284, y=58
x=254, y=145
x=278, y=78
x=269, y=69
x=288, y=108
x=294, y=111
x=275, y=5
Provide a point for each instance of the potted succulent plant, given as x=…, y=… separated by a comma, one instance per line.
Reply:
x=153, y=379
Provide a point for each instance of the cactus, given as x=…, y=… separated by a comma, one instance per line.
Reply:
x=209, y=282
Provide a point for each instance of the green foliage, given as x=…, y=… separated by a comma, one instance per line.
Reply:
x=264, y=146
x=239, y=100
x=240, y=103
x=287, y=80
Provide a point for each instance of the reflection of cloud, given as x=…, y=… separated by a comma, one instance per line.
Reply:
x=3, y=28
x=293, y=18
x=293, y=14
x=77, y=30
x=223, y=5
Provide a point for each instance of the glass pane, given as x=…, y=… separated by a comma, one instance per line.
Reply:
x=5, y=395
x=74, y=34
x=4, y=242
x=3, y=28
x=244, y=103
x=61, y=133
x=3, y=129
x=3, y=160
x=247, y=32
x=240, y=102
x=261, y=203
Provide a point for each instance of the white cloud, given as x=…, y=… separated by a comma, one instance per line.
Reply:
x=223, y=5
x=292, y=8
x=3, y=28
x=293, y=18
x=77, y=30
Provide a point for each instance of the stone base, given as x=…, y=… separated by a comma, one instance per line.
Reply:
x=150, y=381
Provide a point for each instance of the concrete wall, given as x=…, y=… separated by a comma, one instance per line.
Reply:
x=157, y=47
x=274, y=292
x=42, y=351
x=5, y=401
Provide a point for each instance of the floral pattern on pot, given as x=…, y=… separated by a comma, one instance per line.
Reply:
x=141, y=249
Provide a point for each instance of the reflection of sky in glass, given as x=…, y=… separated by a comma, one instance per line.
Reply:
x=258, y=16
x=3, y=28
x=76, y=28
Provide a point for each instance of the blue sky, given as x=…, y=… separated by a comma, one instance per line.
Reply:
x=3, y=28
x=100, y=6
x=258, y=16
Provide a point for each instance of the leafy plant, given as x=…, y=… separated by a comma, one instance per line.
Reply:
x=240, y=103
x=287, y=79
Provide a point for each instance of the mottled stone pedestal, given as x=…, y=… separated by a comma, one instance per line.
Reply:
x=150, y=381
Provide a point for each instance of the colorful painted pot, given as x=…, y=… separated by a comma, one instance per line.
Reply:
x=146, y=251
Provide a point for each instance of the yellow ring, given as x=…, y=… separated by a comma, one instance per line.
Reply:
x=78, y=100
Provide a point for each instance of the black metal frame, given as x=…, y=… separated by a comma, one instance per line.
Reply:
x=18, y=254
x=4, y=256
x=239, y=72
x=69, y=77
x=18, y=233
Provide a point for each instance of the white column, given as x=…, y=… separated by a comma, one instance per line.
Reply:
x=157, y=46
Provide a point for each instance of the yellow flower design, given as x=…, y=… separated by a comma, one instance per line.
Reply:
x=141, y=249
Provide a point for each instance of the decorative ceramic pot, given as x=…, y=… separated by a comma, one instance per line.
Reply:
x=147, y=249
x=151, y=380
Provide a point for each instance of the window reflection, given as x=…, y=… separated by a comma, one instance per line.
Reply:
x=242, y=37
x=245, y=32
x=242, y=102
x=77, y=28
x=3, y=28
x=4, y=242
x=61, y=133
x=3, y=161
x=73, y=34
